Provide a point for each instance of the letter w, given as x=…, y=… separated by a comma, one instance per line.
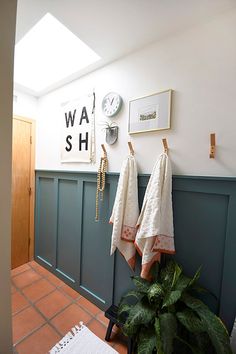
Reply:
x=70, y=119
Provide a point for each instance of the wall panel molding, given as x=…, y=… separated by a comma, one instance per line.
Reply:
x=72, y=245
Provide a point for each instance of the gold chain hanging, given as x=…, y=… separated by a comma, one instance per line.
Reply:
x=101, y=182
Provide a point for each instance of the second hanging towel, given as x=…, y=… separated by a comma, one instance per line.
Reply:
x=155, y=233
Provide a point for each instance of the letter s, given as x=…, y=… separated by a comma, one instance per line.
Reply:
x=68, y=138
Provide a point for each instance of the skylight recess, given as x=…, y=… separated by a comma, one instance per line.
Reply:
x=49, y=53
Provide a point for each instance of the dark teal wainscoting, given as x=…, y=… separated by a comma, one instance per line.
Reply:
x=73, y=246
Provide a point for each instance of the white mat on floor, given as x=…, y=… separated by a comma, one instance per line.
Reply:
x=80, y=340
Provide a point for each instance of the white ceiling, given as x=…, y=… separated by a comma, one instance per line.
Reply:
x=115, y=28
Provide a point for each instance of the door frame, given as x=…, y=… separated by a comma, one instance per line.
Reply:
x=32, y=182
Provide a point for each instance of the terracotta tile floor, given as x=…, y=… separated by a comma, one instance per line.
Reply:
x=44, y=309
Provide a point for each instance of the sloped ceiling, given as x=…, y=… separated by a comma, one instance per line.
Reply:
x=115, y=28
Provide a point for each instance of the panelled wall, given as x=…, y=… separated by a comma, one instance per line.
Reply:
x=75, y=247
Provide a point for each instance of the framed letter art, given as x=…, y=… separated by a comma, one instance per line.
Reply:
x=78, y=133
x=150, y=113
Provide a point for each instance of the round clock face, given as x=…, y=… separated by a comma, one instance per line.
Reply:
x=111, y=104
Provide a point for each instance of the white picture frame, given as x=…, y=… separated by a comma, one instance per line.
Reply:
x=150, y=113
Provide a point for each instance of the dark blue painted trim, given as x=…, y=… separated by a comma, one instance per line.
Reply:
x=44, y=261
x=200, y=192
x=216, y=178
x=65, y=275
x=94, y=295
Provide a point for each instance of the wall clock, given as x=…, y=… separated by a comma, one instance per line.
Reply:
x=111, y=104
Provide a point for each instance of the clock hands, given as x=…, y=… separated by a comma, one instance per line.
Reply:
x=110, y=100
x=111, y=104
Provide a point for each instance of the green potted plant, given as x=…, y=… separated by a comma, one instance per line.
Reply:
x=164, y=316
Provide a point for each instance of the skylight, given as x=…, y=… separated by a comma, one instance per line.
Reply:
x=49, y=53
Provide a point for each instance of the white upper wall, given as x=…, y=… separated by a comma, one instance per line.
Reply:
x=199, y=65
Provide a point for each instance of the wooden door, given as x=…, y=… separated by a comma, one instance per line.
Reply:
x=21, y=190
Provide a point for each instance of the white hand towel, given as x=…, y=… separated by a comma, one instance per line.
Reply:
x=155, y=233
x=125, y=212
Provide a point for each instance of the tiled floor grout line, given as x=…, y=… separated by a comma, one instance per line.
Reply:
x=17, y=312
x=30, y=301
x=64, y=293
x=72, y=301
x=56, y=287
x=29, y=334
x=34, y=281
x=23, y=271
x=48, y=320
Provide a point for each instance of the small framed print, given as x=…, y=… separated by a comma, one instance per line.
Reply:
x=150, y=113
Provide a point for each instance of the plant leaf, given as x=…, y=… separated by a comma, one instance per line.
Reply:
x=167, y=274
x=193, y=349
x=157, y=326
x=141, y=314
x=132, y=293
x=129, y=329
x=194, y=303
x=182, y=283
x=124, y=308
x=141, y=284
x=191, y=321
x=202, y=290
x=196, y=277
x=213, y=325
x=147, y=341
x=171, y=298
x=154, y=292
x=203, y=341
x=177, y=273
x=168, y=326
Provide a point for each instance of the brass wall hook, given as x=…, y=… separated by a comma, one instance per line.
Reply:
x=165, y=145
x=104, y=150
x=131, y=148
x=212, y=146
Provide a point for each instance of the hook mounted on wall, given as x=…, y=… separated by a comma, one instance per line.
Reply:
x=165, y=145
x=104, y=150
x=131, y=149
x=213, y=145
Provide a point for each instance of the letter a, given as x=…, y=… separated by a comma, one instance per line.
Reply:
x=84, y=115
